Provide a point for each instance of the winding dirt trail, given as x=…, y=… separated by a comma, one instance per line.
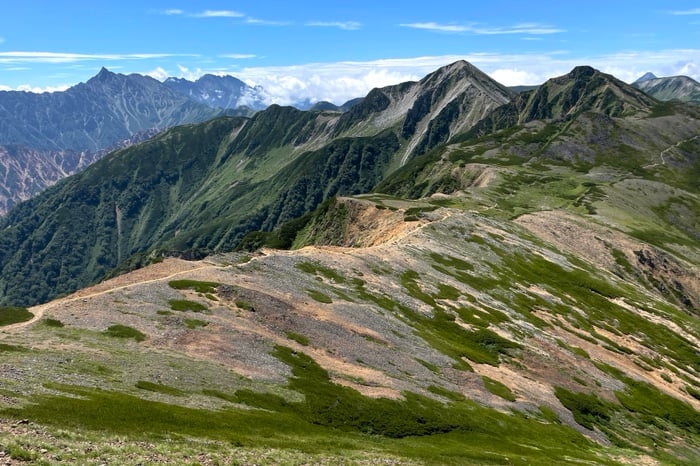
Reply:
x=156, y=273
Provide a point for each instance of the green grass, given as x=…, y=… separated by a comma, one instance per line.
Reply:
x=498, y=389
x=19, y=453
x=319, y=296
x=186, y=305
x=316, y=268
x=443, y=392
x=299, y=338
x=14, y=315
x=198, y=286
x=245, y=305
x=435, y=369
x=53, y=323
x=195, y=323
x=159, y=388
x=587, y=408
x=7, y=348
x=123, y=331
x=330, y=419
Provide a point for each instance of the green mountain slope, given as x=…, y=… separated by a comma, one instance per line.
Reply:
x=204, y=187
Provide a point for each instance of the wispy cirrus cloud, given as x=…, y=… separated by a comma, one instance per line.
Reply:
x=266, y=22
x=238, y=56
x=692, y=11
x=475, y=28
x=223, y=14
x=60, y=57
x=345, y=25
x=219, y=14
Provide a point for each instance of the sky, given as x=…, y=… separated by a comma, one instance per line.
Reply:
x=335, y=50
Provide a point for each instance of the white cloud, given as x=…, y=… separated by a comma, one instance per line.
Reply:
x=238, y=56
x=436, y=27
x=41, y=90
x=173, y=12
x=190, y=75
x=340, y=81
x=59, y=57
x=266, y=22
x=693, y=11
x=219, y=14
x=346, y=25
x=515, y=77
x=159, y=73
x=474, y=28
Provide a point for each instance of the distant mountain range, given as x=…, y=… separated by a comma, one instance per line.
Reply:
x=259, y=172
x=45, y=137
x=681, y=88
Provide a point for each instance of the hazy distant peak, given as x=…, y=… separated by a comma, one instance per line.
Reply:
x=648, y=76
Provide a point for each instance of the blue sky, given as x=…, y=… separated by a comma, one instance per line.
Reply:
x=336, y=50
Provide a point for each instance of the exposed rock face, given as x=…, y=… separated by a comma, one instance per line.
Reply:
x=45, y=137
x=94, y=115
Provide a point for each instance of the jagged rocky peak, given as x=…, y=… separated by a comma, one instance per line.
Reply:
x=103, y=76
x=450, y=99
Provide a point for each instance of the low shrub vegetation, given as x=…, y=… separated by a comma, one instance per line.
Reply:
x=13, y=315
x=198, y=286
x=124, y=331
x=186, y=305
x=319, y=296
x=195, y=323
x=53, y=323
x=498, y=389
x=299, y=338
x=6, y=348
x=158, y=388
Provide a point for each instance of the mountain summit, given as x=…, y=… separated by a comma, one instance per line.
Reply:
x=645, y=77
x=583, y=89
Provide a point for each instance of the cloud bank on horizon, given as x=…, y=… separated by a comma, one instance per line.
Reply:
x=333, y=52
